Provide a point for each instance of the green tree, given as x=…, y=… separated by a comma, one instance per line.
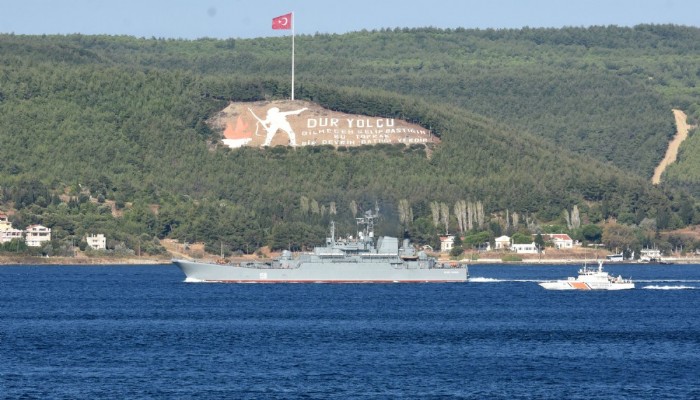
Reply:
x=592, y=233
x=539, y=242
x=457, y=248
x=521, y=238
x=687, y=210
x=619, y=236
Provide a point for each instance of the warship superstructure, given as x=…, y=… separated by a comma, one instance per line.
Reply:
x=348, y=260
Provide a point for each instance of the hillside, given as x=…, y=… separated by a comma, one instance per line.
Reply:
x=570, y=123
x=602, y=91
x=685, y=172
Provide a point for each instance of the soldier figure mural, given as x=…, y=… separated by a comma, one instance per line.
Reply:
x=308, y=124
x=276, y=120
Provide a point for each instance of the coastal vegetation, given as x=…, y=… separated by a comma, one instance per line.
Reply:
x=108, y=134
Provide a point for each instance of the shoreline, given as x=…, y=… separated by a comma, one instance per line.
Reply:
x=84, y=261
x=72, y=261
x=665, y=261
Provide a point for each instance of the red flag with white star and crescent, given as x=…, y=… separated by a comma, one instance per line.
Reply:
x=282, y=22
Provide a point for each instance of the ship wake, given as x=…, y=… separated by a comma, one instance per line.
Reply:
x=669, y=287
x=479, y=279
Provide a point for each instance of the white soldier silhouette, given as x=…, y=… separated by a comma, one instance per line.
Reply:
x=276, y=120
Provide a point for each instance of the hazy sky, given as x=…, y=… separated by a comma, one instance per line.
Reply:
x=192, y=19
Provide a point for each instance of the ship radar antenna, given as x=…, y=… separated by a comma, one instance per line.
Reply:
x=368, y=221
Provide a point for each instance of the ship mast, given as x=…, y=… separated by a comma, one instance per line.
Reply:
x=333, y=233
x=368, y=221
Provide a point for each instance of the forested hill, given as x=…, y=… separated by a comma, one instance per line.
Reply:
x=532, y=122
x=603, y=91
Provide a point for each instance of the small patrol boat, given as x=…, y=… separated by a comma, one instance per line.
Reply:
x=590, y=279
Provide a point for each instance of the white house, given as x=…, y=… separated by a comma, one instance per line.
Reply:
x=7, y=232
x=97, y=242
x=446, y=243
x=650, y=255
x=561, y=241
x=5, y=224
x=526, y=248
x=35, y=235
x=502, y=243
x=7, y=235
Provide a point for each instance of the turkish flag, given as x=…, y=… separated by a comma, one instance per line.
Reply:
x=282, y=22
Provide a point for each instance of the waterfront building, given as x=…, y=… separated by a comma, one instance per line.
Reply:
x=97, y=242
x=35, y=235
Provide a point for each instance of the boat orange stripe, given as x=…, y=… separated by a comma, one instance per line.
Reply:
x=580, y=285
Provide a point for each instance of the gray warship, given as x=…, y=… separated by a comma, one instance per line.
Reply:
x=348, y=260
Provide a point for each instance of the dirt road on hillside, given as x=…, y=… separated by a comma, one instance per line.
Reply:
x=682, y=129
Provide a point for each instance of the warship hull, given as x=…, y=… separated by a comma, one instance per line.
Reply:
x=354, y=259
x=320, y=272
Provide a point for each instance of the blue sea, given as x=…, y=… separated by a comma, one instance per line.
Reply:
x=96, y=332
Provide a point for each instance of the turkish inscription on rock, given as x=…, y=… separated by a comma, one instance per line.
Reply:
x=301, y=123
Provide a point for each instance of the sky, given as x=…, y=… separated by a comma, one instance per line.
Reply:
x=221, y=19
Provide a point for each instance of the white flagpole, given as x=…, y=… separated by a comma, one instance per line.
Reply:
x=293, y=23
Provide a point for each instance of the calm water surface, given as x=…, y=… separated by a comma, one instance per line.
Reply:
x=140, y=332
